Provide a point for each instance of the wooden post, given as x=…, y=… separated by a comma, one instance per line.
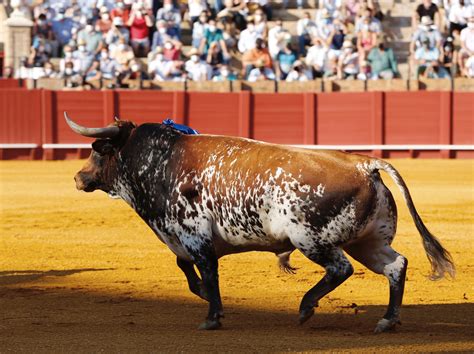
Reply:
x=109, y=106
x=378, y=110
x=244, y=114
x=446, y=121
x=309, y=123
x=179, y=107
x=47, y=122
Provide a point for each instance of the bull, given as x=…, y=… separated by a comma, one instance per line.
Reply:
x=207, y=196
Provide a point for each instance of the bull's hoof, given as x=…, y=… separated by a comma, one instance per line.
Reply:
x=305, y=315
x=210, y=325
x=385, y=325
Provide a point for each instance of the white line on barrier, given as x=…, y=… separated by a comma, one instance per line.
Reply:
x=386, y=147
x=314, y=147
x=18, y=146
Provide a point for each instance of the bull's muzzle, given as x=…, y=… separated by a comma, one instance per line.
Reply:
x=84, y=182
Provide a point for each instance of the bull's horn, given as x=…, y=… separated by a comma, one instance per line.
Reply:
x=107, y=132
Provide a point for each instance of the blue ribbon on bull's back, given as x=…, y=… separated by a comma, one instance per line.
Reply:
x=182, y=128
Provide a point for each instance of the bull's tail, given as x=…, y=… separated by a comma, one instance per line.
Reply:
x=440, y=259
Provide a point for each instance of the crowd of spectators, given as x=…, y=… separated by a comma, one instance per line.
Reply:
x=443, y=42
x=231, y=39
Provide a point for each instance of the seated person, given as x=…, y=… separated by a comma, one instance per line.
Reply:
x=382, y=62
x=299, y=72
x=224, y=73
x=212, y=34
x=172, y=16
x=197, y=69
x=258, y=54
x=316, y=57
x=427, y=57
x=260, y=72
x=467, y=43
x=426, y=8
x=199, y=28
x=285, y=59
x=348, y=63
x=306, y=30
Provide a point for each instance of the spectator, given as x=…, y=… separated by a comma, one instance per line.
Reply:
x=458, y=16
x=234, y=10
x=83, y=57
x=306, y=30
x=199, y=28
x=68, y=57
x=24, y=70
x=196, y=8
x=365, y=71
x=277, y=38
x=449, y=56
x=299, y=73
x=260, y=23
x=171, y=15
x=62, y=28
x=259, y=54
x=49, y=71
x=324, y=25
x=367, y=17
x=316, y=57
x=119, y=11
x=212, y=34
x=91, y=37
x=104, y=24
x=468, y=70
x=247, y=38
x=382, y=62
x=117, y=31
x=160, y=69
x=197, y=69
x=263, y=5
x=43, y=32
x=108, y=66
x=224, y=74
x=122, y=53
x=426, y=8
x=172, y=50
x=261, y=72
x=70, y=76
x=467, y=44
x=348, y=62
x=163, y=35
x=336, y=37
x=285, y=59
x=426, y=31
x=214, y=57
x=93, y=72
x=139, y=22
x=333, y=7
x=229, y=32
x=38, y=56
x=426, y=57
x=366, y=40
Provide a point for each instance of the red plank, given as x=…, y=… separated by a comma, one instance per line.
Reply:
x=213, y=113
x=279, y=117
x=20, y=112
x=345, y=118
x=145, y=106
x=463, y=118
x=413, y=117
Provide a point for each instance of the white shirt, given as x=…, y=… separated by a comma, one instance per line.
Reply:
x=459, y=14
x=196, y=7
x=467, y=37
x=161, y=69
x=255, y=74
x=275, y=40
x=317, y=55
x=306, y=26
x=200, y=71
x=470, y=66
x=247, y=40
x=293, y=75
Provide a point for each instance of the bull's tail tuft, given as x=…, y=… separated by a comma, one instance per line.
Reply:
x=284, y=263
x=440, y=259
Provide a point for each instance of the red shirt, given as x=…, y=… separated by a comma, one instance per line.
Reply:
x=139, y=29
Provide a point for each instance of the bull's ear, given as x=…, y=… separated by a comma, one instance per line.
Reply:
x=103, y=146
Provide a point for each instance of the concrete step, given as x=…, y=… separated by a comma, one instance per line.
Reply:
x=292, y=14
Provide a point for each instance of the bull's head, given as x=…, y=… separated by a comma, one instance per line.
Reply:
x=100, y=170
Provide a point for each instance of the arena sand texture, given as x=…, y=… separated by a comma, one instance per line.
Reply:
x=81, y=272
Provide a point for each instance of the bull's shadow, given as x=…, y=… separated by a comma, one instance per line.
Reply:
x=90, y=321
x=12, y=277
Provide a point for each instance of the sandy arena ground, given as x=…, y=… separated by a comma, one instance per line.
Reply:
x=81, y=272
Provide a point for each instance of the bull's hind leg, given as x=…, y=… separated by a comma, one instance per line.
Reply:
x=338, y=269
x=378, y=256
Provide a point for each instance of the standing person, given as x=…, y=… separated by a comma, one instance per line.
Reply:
x=426, y=8
x=139, y=23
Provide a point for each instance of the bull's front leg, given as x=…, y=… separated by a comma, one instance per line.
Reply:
x=195, y=283
x=207, y=264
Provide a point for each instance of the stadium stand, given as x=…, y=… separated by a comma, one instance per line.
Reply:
x=354, y=45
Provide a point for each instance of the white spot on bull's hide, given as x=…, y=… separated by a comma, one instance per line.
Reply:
x=393, y=270
x=320, y=190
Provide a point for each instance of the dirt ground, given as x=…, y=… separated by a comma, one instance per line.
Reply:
x=81, y=272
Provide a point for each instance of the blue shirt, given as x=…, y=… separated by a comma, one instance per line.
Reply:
x=62, y=30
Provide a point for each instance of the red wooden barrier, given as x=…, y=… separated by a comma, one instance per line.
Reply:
x=10, y=83
x=370, y=118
